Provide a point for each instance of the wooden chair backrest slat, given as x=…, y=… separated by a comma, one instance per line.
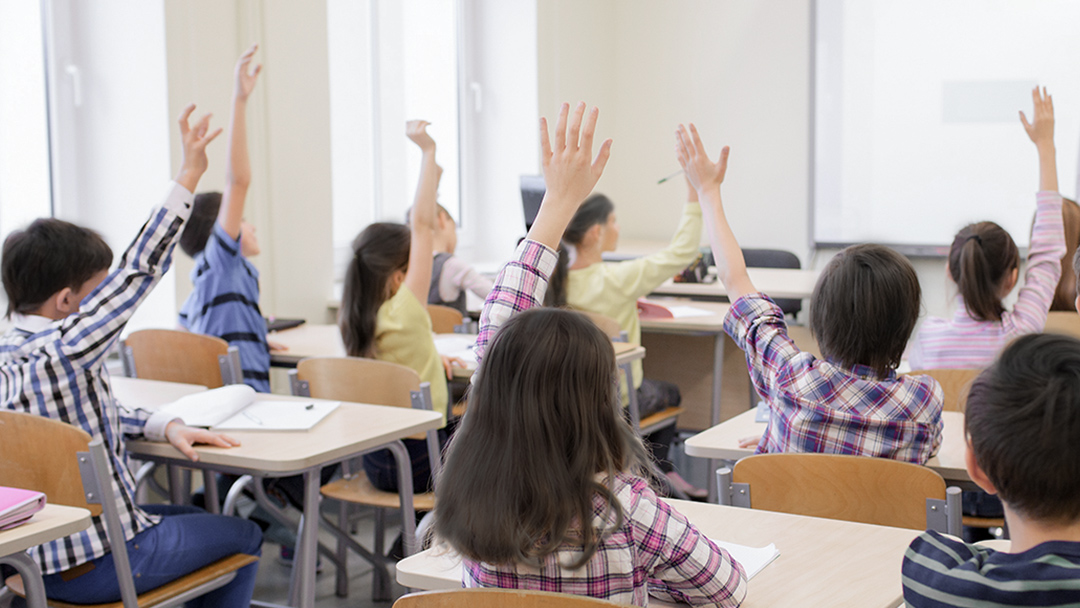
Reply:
x=497, y=598
x=955, y=384
x=609, y=326
x=852, y=488
x=359, y=380
x=1063, y=322
x=443, y=318
x=38, y=453
x=177, y=356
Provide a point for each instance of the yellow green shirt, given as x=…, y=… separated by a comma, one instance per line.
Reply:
x=403, y=336
x=613, y=288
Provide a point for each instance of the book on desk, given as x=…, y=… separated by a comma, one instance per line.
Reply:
x=237, y=408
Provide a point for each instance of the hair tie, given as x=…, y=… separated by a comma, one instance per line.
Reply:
x=978, y=239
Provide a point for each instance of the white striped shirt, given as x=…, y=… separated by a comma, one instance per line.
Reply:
x=964, y=342
x=57, y=369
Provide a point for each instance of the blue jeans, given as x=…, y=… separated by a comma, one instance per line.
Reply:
x=187, y=539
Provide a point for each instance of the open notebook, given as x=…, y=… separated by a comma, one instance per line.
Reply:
x=236, y=408
x=752, y=559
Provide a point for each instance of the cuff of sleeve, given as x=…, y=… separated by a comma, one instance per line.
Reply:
x=692, y=208
x=538, y=256
x=178, y=200
x=1046, y=197
x=743, y=312
x=155, y=425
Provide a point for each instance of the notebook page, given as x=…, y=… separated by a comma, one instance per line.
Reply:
x=209, y=408
x=752, y=559
x=279, y=416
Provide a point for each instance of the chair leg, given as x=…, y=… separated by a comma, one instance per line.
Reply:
x=380, y=584
x=342, y=576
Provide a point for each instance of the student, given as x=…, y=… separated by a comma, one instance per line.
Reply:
x=382, y=310
x=583, y=281
x=984, y=263
x=67, y=313
x=225, y=299
x=866, y=303
x=450, y=276
x=1022, y=421
x=545, y=448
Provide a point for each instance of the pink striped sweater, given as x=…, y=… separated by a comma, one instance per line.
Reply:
x=963, y=342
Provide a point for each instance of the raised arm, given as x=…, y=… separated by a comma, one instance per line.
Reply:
x=706, y=177
x=238, y=164
x=422, y=217
x=570, y=173
x=1041, y=132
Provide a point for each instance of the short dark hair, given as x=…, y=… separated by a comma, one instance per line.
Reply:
x=200, y=225
x=981, y=257
x=1023, y=420
x=48, y=256
x=865, y=306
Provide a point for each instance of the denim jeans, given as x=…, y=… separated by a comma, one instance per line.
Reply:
x=187, y=539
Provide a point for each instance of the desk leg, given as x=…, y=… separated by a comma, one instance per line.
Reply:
x=405, y=491
x=307, y=544
x=31, y=577
x=210, y=492
x=718, y=377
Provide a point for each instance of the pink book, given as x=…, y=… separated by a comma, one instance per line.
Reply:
x=17, y=506
x=651, y=310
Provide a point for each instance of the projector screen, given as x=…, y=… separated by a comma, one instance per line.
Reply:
x=916, y=131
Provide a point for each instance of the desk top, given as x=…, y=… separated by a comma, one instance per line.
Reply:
x=776, y=282
x=721, y=442
x=150, y=394
x=348, y=430
x=711, y=323
x=51, y=523
x=822, y=562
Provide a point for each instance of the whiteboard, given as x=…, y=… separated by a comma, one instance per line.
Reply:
x=915, y=116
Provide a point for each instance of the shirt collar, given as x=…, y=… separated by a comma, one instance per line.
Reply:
x=31, y=323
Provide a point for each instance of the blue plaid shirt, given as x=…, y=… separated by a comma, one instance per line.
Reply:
x=819, y=406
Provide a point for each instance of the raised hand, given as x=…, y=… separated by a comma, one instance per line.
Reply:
x=245, y=75
x=194, y=140
x=1041, y=129
x=703, y=174
x=416, y=130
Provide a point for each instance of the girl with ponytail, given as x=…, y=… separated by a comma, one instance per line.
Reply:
x=984, y=263
x=383, y=314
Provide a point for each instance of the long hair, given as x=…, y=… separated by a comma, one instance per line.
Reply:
x=544, y=420
x=378, y=251
x=981, y=257
x=595, y=210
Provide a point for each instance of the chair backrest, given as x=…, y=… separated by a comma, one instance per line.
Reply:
x=443, y=318
x=775, y=258
x=853, y=488
x=609, y=326
x=955, y=383
x=1062, y=322
x=38, y=453
x=359, y=380
x=178, y=356
x=498, y=598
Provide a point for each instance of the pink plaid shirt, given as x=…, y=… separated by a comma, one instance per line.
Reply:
x=655, y=552
x=818, y=406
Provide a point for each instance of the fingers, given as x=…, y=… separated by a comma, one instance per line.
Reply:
x=722, y=164
x=229, y=440
x=589, y=129
x=256, y=71
x=573, y=137
x=209, y=138
x=602, y=157
x=183, y=120
x=698, y=146
x=202, y=126
x=181, y=443
x=560, y=128
x=545, y=143
x=1023, y=119
x=448, y=369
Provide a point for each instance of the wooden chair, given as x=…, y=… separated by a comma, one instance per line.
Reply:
x=852, y=488
x=58, y=459
x=1062, y=322
x=955, y=383
x=444, y=320
x=181, y=356
x=498, y=598
x=379, y=383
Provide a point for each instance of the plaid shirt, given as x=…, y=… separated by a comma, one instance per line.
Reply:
x=655, y=552
x=819, y=406
x=56, y=369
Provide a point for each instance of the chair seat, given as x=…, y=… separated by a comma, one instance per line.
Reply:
x=359, y=490
x=200, y=577
x=660, y=419
x=983, y=522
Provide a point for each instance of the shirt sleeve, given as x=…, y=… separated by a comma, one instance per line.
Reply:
x=221, y=249
x=1043, y=268
x=87, y=336
x=638, y=278
x=684, y=565
x=757, y=326
x=458, y=276
x=521, y=285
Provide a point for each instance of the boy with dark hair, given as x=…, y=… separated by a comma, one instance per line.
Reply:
x=1022, y=421
x=225, y=299
x=67, y=312
x=866, y=303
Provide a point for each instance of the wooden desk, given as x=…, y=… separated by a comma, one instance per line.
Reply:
x=822, y=562
x=150, y=394
x=51, y=523
x=795, y=283
x=722, y=443
x=349, y=431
